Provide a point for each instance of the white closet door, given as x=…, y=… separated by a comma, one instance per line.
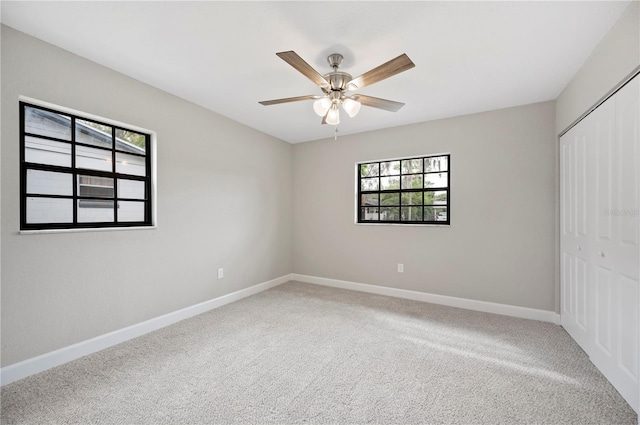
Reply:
x=600, y=236
x=620, y=253
x=574, y=147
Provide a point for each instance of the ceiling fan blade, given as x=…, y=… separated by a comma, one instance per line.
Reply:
x=386, y=70
x=304, y=68
x=376, y=102
x=324, y=119
x=288, y=99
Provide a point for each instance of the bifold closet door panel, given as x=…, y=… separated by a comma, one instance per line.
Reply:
x=604, y=289
x=602, y=294
x=624, y=249
x=574, y=232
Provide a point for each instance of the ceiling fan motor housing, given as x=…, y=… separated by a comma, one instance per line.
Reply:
x=337, y=80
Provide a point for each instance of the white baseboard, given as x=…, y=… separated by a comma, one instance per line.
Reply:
x=487, y=307
x=46, y=361
x=63, y=355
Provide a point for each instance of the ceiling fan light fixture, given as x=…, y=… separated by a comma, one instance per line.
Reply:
x=351, y=106
x=321, y=106
x=333, y=116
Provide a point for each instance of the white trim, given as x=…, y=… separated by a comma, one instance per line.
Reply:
x=23, y=369
x=487, y=307
x=85, y=230
x=65, y=110
x=63, y=355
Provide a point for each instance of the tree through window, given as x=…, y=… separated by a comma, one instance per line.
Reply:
x=405, y=191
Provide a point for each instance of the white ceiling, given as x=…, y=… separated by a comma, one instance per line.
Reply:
x=469, y=56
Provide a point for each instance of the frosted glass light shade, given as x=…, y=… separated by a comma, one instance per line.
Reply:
x=333, y=116
x=321, y=106
x=351, y=107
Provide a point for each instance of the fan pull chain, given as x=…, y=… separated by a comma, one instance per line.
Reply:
x=335, y=135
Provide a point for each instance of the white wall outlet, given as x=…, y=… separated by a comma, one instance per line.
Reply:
x=220, y=273
x=400, y=268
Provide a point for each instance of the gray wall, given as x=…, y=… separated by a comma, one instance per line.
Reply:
x=224, y=200
x=616, y=56
x=500, y=246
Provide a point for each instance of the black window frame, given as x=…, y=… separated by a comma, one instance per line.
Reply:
x=77, y=199
x=401, y=191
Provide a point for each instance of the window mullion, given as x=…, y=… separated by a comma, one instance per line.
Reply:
x=147, y=186
x=113, y=170
x=74, y=173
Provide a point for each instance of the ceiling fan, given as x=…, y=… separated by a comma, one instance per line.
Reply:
x=336, y=85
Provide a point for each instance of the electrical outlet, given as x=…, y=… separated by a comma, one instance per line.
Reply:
x=220, y=273
x=400, y=268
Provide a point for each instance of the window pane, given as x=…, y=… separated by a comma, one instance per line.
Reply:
x=43, y=151
x=369, y=184
x=49, y=210
x=369, y=213
x=411, y=166
x=392, y=198
x=93, y=159
x=411, y=213
x=369, y=199
x=95, y=187
x=412, y=182
x=130, y=211
x=435, y=180
x=387, y=183
x=389, y=168
x=49, y=183
x=134, y=189
x=412, y=198
x=95, y=211
x=45, y=123
x=441, y=214
x=130, y=164
x=390, y=213
x=130, y=141
x=94, y=203
x=369, y=170
x=435, y=213
x=95, y=134
x=438, y=197
x=436, y=163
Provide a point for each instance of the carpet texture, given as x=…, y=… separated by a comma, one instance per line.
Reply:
x=307, y=354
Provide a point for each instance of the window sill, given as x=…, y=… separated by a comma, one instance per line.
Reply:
x=403, y=225
x=93, y=229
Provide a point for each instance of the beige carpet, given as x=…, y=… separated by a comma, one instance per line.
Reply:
x=301, y=353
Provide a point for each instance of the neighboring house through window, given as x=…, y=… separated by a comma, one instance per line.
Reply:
x=80, y=172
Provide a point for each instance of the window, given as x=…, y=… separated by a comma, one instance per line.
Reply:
x=78, y=172
x=405, y=191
